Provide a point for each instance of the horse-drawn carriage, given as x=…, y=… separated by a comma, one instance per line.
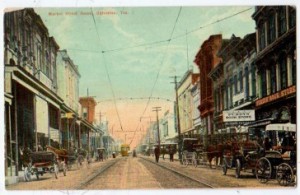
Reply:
x=101, y=154
x=280, y=162
x=39, y=163
x=68, y=158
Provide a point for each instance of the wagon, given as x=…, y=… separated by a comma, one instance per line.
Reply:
x=242, y=156
x=189, y=154
x=280, y=163
x=40, y=163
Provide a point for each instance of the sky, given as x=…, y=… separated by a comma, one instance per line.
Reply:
x=124, y=52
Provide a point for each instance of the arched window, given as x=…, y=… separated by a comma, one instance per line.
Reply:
x=246, y=83
x=261, y=34
x=283, y=72
x=273, y=79
x=272, y=28
x=282, y=20
x=263, y=83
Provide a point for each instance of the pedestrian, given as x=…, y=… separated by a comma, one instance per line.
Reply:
x=171, y=152
x=156, y=153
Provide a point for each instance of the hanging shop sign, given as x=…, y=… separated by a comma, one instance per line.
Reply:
x=238, y=115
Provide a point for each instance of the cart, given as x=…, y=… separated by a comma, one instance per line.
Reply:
x=41, y=163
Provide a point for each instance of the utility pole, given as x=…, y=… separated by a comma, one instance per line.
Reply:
x=178, y=121
x=156, y=109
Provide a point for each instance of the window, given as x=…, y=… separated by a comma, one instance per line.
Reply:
x=261, y=36
x=263, y=83
x=253, y=79
x=282, y=21
x=292, y=17
x=241, y=80
x=226, y=88
x=273, y=79
x=235, y=84
x=271, y=35
x=246, y=82
x=283, y=72
x=230, y=93
x=294, y=70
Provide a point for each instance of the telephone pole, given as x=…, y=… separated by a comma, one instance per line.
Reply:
x=156, y=109
x=178, y=120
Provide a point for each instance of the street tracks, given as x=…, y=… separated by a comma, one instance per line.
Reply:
x=179, y=173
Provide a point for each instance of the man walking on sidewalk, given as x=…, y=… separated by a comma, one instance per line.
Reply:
x=157, y=153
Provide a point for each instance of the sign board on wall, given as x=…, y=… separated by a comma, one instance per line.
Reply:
x=238, y=115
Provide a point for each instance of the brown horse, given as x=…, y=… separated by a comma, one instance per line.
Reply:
x=217, y=151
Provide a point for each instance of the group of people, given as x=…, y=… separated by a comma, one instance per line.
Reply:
x=287, y=143
x=170, y=150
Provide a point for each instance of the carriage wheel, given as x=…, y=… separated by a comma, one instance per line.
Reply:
x=284, y=174
x=263, y=170
x=27, y=173
x=224, y=166
x=55, y=167
x=238, y=168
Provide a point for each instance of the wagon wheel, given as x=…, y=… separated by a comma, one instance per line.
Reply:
x=263, y=170
x=284, y=174
x=27, y=173
x=55, y=167
x=238, y=168
x=224, y=166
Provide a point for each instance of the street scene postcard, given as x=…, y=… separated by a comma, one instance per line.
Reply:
x=149, y=98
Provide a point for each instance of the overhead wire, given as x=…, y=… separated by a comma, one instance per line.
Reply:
x=166, y=40
x=160, y=67
x=107, y=73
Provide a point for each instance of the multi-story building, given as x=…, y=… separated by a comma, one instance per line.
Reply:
x=32, y=107
x=276, y=65
x=185, y=102
x=167, y=128
x=195, y=92
x=205, y=59
x=234, y=80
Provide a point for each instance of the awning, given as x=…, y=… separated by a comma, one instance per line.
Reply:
x=281, y=127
